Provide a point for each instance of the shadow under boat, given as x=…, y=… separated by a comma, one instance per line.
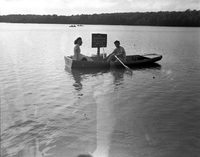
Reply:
x=84, y=71
x=156, y=66
x=99, y=71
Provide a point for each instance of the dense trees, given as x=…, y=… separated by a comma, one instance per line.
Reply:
x=188, y=18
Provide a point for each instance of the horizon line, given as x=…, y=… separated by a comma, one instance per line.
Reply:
x=102, y=13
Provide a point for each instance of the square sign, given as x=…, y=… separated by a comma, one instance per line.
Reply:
x=99, y=40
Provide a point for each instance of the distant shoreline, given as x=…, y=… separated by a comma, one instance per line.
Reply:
x=186, y=18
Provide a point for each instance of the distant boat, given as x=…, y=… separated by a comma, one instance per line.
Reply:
x=72, y=26
x=80, y=25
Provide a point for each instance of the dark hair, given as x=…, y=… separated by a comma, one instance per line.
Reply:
x=76, y=41
x=116, y=42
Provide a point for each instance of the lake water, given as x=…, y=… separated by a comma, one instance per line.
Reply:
x=50, y=111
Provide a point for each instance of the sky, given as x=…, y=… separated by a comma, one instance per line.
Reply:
x=77, y=7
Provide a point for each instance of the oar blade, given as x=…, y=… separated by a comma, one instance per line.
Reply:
x=127, y=68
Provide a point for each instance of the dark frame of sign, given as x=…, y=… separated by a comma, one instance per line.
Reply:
x=99, y=40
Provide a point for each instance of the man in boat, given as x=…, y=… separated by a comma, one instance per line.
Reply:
x=119, y=51
x=77, y=51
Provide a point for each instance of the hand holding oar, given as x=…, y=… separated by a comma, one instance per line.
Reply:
x=127, y=68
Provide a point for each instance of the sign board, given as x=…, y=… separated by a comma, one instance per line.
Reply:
x=99, y=40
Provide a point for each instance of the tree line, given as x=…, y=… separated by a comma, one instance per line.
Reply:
x=188, y=18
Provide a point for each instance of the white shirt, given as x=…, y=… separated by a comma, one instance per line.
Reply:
x=77, y=52
x=119, y=52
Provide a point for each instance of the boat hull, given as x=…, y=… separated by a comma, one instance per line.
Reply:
x=98, y=63
x=131, y=61
x=138, y=60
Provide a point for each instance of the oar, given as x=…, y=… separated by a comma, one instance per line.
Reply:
x=124, y=65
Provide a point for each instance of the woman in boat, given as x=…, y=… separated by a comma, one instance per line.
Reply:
x=77, y=51
x=119, y=51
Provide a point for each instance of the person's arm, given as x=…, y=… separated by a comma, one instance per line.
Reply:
x=114, y=52
x=124, y=53
x=110, y=54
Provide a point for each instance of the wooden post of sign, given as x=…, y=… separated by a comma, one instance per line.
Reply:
x=98, y=51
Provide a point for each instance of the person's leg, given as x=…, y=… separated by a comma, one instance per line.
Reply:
x=83, y=59
x=88, y=58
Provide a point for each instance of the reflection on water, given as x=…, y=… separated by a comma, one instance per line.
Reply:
x=106, y=94
x=77, y=77
x=47, y=111
x=118, y=76
x=80, y=74
x=39, y=135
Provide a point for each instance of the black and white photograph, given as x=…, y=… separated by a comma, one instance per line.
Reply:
x=99, y=78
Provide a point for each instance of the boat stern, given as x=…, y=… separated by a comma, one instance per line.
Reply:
x=68, y=62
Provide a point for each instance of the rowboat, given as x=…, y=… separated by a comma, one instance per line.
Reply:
x=99, y=62
x=138, y=60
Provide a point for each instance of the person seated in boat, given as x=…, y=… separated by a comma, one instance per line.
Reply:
x=77, y=51
x=119, y=51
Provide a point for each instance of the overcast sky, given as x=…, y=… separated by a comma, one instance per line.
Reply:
x=69, y=7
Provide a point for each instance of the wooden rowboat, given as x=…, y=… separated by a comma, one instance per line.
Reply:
x=98, y=62
x=138, y=60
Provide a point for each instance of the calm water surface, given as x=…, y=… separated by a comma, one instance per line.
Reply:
x=50, y=111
